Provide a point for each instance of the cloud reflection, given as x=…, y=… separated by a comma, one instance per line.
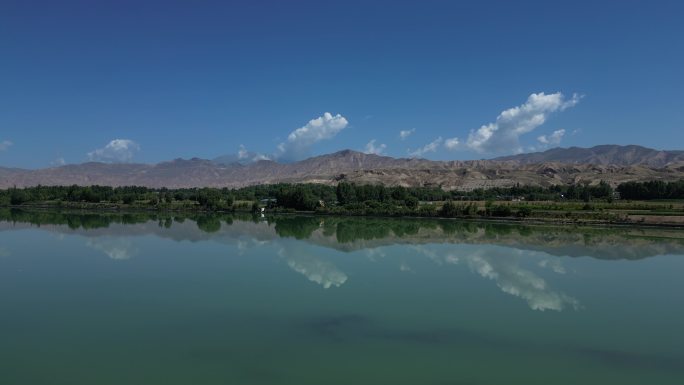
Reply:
x=515, y=280
x=114, y=248
x=553, y=264
x=374, y=254
x=246, y=244
x=504, y=268
x=314, y=269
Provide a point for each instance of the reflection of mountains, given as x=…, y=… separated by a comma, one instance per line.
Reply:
x=350, y=234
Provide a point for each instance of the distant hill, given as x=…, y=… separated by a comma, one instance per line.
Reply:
x=608, y=154
x=614, y=164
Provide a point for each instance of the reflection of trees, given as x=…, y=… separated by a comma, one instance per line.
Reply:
x=349, y=230
x=97, y=220
x=74, y=220
x=454, y=227
x=498, y=229
x=296, y=227
x=209, y=223
x=344, y=233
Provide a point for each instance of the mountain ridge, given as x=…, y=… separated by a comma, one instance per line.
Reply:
x=612, y=163
x=606, y=154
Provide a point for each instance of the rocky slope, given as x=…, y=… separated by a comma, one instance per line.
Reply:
x=609, y=154
x=344, y=165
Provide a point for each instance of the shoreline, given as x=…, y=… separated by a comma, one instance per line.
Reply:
x=534, y=221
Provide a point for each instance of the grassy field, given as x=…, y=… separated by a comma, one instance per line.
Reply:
x=647, y=212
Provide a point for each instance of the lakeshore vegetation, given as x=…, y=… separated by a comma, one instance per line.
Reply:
x=629, y=202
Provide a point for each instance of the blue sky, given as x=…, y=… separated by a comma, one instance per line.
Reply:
x=183, y=79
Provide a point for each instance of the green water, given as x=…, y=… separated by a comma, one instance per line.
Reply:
x=147, y=299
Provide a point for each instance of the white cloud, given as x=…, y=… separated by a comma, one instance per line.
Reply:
x=552, y=140
x=371, y=148
x=300, y=140
x=403, y=134
x=242, y=152
x=259, y=157
x=116, y=151
x=245, y=156
x=503, y=135
x=430, y=147
x=451, y=143
x=5, y=144
x=59, y=162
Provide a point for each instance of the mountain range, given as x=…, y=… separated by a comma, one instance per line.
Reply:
x=612, y=163
x=602, y=155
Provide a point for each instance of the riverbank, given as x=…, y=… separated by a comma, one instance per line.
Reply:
x=635, y=213
x=659, y=204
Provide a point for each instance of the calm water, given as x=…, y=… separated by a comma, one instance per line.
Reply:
x=135, y=299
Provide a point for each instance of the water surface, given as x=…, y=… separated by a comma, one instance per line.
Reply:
x=159, y=299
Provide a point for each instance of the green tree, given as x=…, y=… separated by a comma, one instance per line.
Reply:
x=346, y=193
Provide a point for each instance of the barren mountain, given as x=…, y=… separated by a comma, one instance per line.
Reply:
x=358, y=167
x=602, y=155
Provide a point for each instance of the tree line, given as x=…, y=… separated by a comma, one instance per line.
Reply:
x=345, y=198
x=209, y=198
x=651, y=190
